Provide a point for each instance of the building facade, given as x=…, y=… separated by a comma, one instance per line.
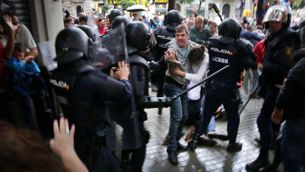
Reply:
x=77, y=6
x=227, y=8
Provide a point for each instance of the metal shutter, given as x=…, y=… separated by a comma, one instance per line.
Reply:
x=22, y=10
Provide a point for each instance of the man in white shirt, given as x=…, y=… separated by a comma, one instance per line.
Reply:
x=24, y=36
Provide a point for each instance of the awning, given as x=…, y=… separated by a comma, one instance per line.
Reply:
x=135, y=8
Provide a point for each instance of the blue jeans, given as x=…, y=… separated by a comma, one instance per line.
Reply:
x=255, y=81
x=178, y=114
x=293, y=145
x=212, y=124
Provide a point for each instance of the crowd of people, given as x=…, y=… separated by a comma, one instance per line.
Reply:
x=103, y=79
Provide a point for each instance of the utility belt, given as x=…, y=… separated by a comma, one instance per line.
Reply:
x=172, y=81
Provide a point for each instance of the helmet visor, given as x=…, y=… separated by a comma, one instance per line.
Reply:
x=276, y=13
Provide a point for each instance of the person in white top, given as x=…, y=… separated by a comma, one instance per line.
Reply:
x=197, y=67
x=24, y=36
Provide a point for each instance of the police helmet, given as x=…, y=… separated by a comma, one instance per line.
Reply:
x=118, y=20
x=71, y=44
x=230, y=27
x=138, y=35
x=277, y=13
x=89, y=32
x=94, y=42
x=172, y=19
x=113, y=14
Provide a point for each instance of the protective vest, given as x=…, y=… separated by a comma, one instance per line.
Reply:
x=63, y=83
x=163, y=36
x=139, y=78
x=274, y=55
x=222, y=54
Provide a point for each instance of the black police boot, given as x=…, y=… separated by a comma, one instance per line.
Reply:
x=172, y=157
x=192, y=145
x=260, y=162
x=234, y=147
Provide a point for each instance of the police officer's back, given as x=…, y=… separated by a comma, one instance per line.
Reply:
x=138, y=36
x=227, y=49
x=223, y=49
x=82, y=93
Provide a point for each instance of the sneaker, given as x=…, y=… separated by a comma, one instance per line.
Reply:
x=234, y=147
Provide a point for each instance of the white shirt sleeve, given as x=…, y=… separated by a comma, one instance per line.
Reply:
x=197, y=77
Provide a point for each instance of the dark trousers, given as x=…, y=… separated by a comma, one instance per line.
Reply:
x=105, y=161
x=195, y=111
x=218, y=93
x=96, y=159
x=264, y=122
x=135, y=159
x=293, y=145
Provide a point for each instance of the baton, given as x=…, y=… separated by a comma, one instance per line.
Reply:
x=204, y=80
x=249, y=98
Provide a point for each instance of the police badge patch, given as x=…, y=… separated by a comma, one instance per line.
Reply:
x=289, y=50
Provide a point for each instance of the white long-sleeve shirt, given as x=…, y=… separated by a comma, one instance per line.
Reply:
x=199, y=71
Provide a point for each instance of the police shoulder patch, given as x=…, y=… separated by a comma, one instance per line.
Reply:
x=289, y=50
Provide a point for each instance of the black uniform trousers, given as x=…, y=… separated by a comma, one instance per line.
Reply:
x=218, y=93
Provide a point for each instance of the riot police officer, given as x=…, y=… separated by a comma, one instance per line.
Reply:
x=227, y=49
x=82, y=92
x=163, y=35
x=113, y=14
x=276, y=64
x=290, y=107
x=118, y=21
x=138, y=36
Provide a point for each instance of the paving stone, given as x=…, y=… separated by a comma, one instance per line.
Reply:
x=210, y=159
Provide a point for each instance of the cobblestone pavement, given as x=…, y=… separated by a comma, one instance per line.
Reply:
x=215, y=159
